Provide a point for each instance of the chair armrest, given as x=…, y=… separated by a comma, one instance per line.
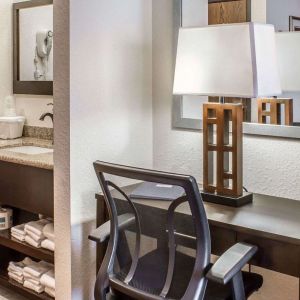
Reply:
x=101, y=233
x=231, y=263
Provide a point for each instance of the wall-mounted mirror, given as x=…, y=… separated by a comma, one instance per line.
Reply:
x=269, y=116
x=33, y=47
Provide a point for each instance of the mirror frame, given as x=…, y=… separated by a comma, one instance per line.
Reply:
x=20, y=86
x=180, y=122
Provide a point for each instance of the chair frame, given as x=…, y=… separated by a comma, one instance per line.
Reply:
x=234, y=259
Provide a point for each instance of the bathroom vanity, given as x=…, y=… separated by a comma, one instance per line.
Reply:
x=26, y=186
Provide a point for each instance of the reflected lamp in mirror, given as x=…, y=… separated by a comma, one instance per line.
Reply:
x=232, y=60
x=279, y=111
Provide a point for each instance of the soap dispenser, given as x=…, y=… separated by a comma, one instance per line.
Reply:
x=11, y=125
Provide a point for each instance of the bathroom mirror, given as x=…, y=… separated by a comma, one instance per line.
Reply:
x=270, y=117
x=33, y=47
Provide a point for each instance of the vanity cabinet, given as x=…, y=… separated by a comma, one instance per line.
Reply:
x=29, y=191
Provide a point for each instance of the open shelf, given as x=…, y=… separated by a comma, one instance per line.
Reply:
x=13, y=285
x=42, y=254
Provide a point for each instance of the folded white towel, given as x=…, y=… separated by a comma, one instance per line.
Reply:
x=47, y=244
x=20, y=229
x=19, y=237
x=48, y=232
x=31, y=279
x=32, y=242
x=48, y=279
x=36, y=227
x=37, y=288
x=19, y=279
x=50, y=292
x=35, y=237
x=18, y=267
x=36, y=270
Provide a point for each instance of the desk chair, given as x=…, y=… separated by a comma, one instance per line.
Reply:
x=166, y=272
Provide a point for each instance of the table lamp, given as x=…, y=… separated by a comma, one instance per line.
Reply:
x=232, y=60
x=287, y=46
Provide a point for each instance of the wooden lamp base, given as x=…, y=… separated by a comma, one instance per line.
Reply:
x=242, y=200
x=223, y=154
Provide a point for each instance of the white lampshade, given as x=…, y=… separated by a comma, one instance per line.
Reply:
x=288, y=52
x=232, y=60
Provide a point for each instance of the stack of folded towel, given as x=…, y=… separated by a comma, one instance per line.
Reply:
x=15, y=269
x=18, y=232
x=34, y=232
x=33, y=273
x=48, y=281
x=48, y=242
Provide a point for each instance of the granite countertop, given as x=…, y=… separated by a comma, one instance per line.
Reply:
x=43, y=161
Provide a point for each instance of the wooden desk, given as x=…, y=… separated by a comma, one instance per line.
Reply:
x=271, y=223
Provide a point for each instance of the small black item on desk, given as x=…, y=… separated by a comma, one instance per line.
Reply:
x=157, y=191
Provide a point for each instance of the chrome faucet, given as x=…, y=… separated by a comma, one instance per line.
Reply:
x=47, y=114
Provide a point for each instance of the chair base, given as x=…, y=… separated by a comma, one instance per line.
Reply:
x=246, y=198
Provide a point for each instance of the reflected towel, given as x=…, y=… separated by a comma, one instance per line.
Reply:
x=48, y=279
x=50, y=292
x=37, y=288
x=48, y=232
x=47, y=244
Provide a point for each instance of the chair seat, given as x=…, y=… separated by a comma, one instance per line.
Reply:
x=153, y=280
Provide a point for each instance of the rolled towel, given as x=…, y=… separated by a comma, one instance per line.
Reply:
x=50, y=292
x=19, y=279
x=36, y=227
x=48, y=232
x=20, y=229
x=19, y=237
x=47, y=244
x=48, y=279
x=36, y=270
x=32, y=242
x=37, y=288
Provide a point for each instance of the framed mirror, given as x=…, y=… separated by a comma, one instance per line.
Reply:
x=33, y=47
x=270, y=116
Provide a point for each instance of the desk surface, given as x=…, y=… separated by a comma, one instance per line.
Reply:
x=270, y=217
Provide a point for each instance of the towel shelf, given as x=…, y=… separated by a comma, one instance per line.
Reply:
x=42, y=254
x=5, y=281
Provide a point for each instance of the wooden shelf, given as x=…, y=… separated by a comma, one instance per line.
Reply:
x=42, y=254
x=13, y=285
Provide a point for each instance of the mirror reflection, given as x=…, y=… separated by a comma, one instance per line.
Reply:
x=35, y=43
x=285, y=16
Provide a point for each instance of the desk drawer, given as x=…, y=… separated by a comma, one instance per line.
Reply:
x=221, y=239
x=274, y=255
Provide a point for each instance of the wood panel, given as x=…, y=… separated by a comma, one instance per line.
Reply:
x=228, y=12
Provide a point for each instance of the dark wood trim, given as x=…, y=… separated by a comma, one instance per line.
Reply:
x=26, y=87
x=7, y=241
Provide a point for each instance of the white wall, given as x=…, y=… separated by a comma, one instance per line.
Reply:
x=271, y=165
x=27, y=105
x=110, y=118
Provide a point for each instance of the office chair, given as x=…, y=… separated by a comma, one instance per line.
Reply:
x=166, y=272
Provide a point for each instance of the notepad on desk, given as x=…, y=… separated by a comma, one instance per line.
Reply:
x=157, y=191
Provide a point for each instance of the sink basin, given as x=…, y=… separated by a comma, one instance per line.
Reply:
x=30, y=150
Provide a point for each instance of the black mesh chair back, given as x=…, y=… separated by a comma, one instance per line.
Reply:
x=109, y=277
